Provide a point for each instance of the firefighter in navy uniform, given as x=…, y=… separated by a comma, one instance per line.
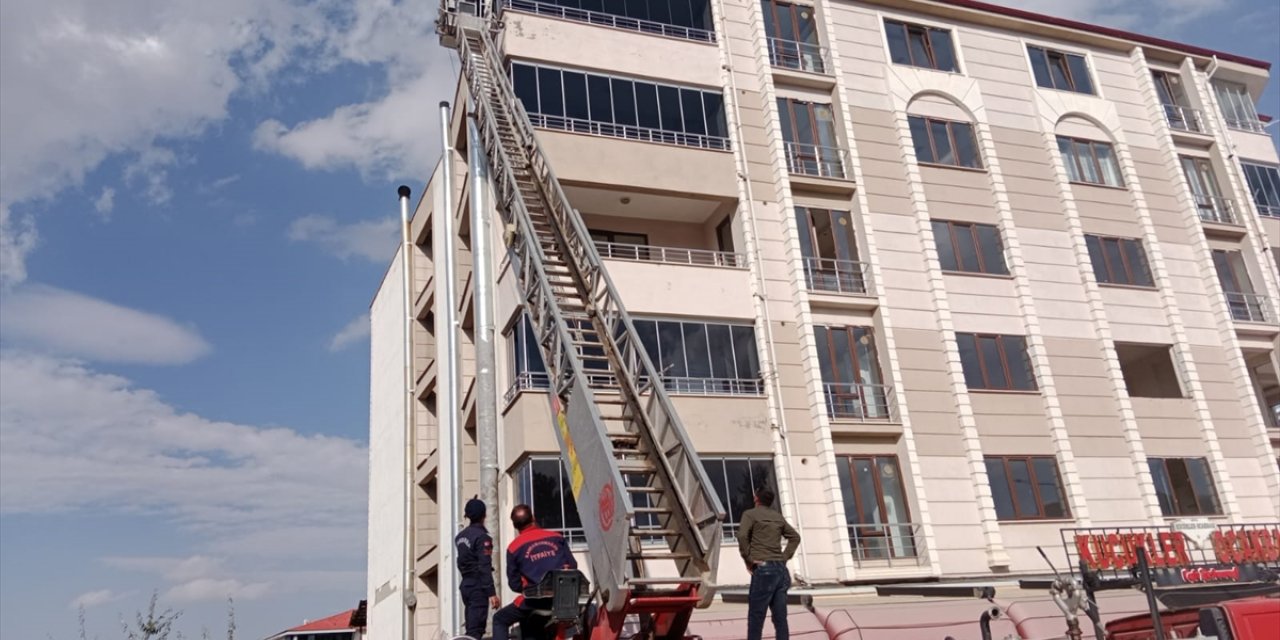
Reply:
x=533, y=554
x=475, y=563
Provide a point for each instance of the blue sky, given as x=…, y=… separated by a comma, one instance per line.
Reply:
x=196, y=205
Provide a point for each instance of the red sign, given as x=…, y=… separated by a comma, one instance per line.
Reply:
x=1210, y=574
x=1169, y=549
x=606, y=507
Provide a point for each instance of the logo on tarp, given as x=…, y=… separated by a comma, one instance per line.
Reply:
x=607, y=505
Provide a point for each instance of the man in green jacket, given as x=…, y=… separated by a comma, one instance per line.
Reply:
x=760, y=535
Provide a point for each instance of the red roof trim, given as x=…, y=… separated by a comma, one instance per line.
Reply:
x=335, y=622
x=1105, y=31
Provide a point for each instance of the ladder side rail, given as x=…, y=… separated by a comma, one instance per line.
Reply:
x=540, y=302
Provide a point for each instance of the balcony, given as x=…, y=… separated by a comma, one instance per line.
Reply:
x=859, y=402
x=845, y=277
x=1268, y=210
x=801, y=56
x=538, y=381
x=671, y=255
x=597, y=18
x=1184, y=118
x=817, y=161
x=886, y=545
x=1249, y=307
x=1217, y=210
x=1242, y=123
x=629, y=132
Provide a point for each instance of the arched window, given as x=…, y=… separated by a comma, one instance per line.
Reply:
x=1087, y=152
x=942, y=133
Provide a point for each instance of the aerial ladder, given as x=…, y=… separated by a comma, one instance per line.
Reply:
x=650, y=515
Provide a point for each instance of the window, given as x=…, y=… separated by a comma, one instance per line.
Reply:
x=793, y=36
x=724, y=234
x=1059, y=70
x=1210, y=204
x=1026, y=487
x=619, y=107
x=1118, y=261
x=1233, y=275
x=995, y=362
x=1090, y=162
x=619, y=237
x=1148, y=370
x=736, y=481
x=703, y=357
x=851, y=373
x=690, y=19
x=1184, y=487
x=526, y=356
x=542, y=484
x=875, y=507
x=830, y=250
x=1173, y=99
x=944, y=142
x=920, y=46
x=1237, y=106
x=1264, y=186
x=809, y=130
x=969, y=247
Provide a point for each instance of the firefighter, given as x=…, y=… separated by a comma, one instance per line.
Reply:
x=475, y=563
x=533, y=554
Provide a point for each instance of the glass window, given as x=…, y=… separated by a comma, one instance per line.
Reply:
x=875, y=507
x=920, y=46
x=525, y=80
x=647, y=105
x=669, y=108
x=624, y=101
x=1184, y=487
x=600, y=98
x=1118, y=261
x=575, y=95
x=1090, y=162
x=969, y=247
x=1264, y=187
x=691, y=106
x=850, y=368
x=526, y=355
x=550, y=92
x=736, y=481
x=695, y=351
x=944, y=142
x=995, y=362
x=1026, y=487
x=1237, y=106
x=1060, y=70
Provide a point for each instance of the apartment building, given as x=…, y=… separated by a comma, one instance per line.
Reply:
x=951, y=277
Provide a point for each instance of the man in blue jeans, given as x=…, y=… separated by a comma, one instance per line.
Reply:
x=760, y=535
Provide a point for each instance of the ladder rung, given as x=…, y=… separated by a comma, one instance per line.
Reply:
x=658, y=555
x=644, y=489
x=661, y=581
x=652, y=510
x=654, y=532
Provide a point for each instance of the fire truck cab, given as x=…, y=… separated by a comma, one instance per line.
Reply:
x=1245, y=619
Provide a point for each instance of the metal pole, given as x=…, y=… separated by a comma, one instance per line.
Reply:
x=1091, y=597
x=407, y=585
x=486, y=376
x=447, y=321
x=1144, y=569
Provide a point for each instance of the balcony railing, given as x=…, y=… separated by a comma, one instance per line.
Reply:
x=837, y=276
x=1268, y=210
x=629, y=132
x=538, y=381
x=801, y=56
x=814, y=160
x=610, y=20
x=886, y=544
x=1216, y=209
x=1183, y=118
x=1245, y=123
x=1249, y=307
x=670, y=255
x=856, y=401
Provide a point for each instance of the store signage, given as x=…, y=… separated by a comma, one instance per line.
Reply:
x=1188, y=546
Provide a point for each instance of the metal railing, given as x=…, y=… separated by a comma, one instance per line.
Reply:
x=539, y=381
x=837, y=276
x=885, y=544
x=610, y=20
x=1268, y=210
x=801, y=56
x=1216, y=209
x=1183, y=118
x=670, y=255
x=1249, y=307
x=629, y=132
x=814, y=160
x=857, y=401
x=1244, y=123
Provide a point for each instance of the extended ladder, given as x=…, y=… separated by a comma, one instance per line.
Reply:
x=645, y=501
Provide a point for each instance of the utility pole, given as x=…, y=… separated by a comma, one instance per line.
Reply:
x=447, y=327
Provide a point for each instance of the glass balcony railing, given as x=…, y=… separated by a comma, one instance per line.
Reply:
x=836, y=276
x=538, y=381
x=629, y=132
x=801, y=56
x=602, y=19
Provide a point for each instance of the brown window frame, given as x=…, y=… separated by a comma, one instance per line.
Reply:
x=972, y=228
x=1200, y=511
x=1035, y=487
x=848, y=461
x=1097, y=164
x=1003, y=353
x=1127, y=275
x=951, y=139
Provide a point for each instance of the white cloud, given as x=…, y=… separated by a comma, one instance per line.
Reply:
x=91, y=599
x=209, y=589
x=373, y=240
x=18, y=237
x=105, y=202
x=73, y=324
x=76, y=440
x=152, y=170
x=356, y=331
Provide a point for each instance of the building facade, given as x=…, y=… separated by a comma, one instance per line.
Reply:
x=951, y=277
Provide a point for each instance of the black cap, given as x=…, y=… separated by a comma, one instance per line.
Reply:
x=404, y=191
x=475, y=509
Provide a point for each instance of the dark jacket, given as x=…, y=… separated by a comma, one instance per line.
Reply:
x=475, y=559
x=533, y=553
x=760, y=535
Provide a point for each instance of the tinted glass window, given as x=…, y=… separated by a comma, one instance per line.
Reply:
x=691, y=107
x=525, y=79
x=647, y=105
x=624, y=101
x=601, y=98
x=575, y=95
x=550, y=92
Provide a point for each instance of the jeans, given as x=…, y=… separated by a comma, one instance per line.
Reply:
x=769, y=584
